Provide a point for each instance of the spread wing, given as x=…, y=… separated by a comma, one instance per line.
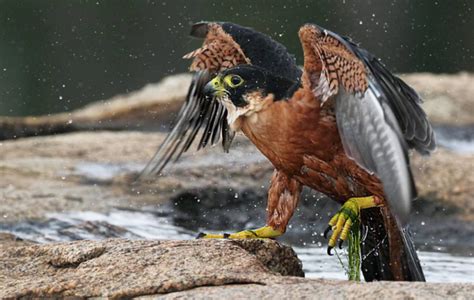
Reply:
x=225, y=46
x=379, y=117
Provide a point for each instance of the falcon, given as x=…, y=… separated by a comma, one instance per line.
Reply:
x=342, y=125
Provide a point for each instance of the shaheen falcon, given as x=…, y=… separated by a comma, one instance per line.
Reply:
x=341, y=125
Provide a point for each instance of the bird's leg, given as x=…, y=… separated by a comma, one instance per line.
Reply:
x=283, y=197
x=349, y=213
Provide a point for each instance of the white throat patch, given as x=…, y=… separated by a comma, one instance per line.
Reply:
x=233, y=112
x=236, y=114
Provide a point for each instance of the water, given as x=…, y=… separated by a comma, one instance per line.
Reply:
x=438, y=266
x=157, y=224
x=459, y=139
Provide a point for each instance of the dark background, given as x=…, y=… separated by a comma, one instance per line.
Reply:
x=57, y=55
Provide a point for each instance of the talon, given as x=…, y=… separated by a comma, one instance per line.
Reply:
x=329, y=251
x=349, y=213
x=203, y=235
x=263, y=232
x=327, y=231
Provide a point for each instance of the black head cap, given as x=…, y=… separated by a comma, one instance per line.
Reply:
x=258, y=79
x=262, y=50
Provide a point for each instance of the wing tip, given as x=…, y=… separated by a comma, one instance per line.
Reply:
x=199, y=29
x=403, y=214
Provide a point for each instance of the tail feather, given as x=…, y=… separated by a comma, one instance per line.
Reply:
x=388, y=253
x=413, y=262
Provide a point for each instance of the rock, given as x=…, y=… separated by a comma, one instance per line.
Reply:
x=444, y=177
x=276, y=257
x=447, y=101
x=152, y=107
x=118, y=268
x=295, y=288
x=94, y=171
x=200, y=269
x=8, y=238
x=447, y=97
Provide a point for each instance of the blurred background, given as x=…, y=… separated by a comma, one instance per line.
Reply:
x=58, y=55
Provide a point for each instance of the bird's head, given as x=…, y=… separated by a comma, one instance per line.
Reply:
x=245, y=90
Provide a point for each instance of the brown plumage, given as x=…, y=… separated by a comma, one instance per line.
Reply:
x=218, y=52
x=308, y=147
x=343, y=127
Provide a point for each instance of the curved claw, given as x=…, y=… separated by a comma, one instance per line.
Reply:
x=329, y=251
x=327, y=231
x=200, y=235
x=340, y=243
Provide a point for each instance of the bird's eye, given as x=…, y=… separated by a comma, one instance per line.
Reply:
x=234, y=80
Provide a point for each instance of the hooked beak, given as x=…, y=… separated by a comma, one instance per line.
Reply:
x=214, y=88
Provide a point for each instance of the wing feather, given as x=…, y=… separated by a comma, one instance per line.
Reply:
x=192, y=115
x=225, y=46
x=379, y=117
x=375, y=145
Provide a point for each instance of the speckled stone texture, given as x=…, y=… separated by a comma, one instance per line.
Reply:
x=296, y=288
x=197, y=269
x=119, y=268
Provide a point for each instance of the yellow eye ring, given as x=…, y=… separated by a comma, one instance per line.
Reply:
x=233, y=80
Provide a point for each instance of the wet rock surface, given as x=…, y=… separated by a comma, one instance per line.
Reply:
x=207, y=190
x=96, y=171
x=203, y=269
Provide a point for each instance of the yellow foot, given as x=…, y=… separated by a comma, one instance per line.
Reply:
x=348, y=214
x=262, y=232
